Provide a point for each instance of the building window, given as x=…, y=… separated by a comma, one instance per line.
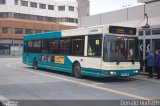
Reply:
x=47, y=30
x=24, y=3
x=4, y=15
x=42, y=6
x=49, y=19
x=71, y=20
x=18, y=30
x=4, y=30
x=61, y=8
x=16, y=2
x=140, y=33
x=33, y=4
x=2, y=1
x=38, y=31
x=40, y=18
x=28, y=31
x=71, y=8
x=50, y=7
x=147, y=32
x=156, y=32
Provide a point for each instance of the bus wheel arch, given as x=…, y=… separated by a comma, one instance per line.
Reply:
x=76, y=69
x=35, y=63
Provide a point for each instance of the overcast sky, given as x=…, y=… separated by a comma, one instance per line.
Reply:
x=101, y=6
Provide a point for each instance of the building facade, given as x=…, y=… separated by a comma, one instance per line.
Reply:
x=83, y=8
x=19, y=17
x=133, y=16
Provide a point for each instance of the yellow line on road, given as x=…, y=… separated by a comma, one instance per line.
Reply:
x=86, y=84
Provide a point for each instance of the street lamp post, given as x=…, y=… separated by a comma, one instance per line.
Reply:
x=13, y=42
x=126, y=6
x=147, y=25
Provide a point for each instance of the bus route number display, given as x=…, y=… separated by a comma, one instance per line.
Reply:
x=122, y=30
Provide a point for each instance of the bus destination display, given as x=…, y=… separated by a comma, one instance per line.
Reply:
x=122, y=30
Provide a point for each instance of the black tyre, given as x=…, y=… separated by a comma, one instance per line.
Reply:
x=35, y=66
x=77, y=70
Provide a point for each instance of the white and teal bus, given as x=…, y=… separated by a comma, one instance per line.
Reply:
x=101, y=51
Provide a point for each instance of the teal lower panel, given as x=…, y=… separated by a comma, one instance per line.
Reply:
x=117, y=73
x=93, y=74
x=123, y=73
x=56, y=68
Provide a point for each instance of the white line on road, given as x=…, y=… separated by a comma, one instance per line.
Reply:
x=86, y=84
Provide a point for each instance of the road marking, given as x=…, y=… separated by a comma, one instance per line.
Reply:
x=86, y=84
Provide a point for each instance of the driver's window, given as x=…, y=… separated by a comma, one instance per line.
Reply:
x=94, y=45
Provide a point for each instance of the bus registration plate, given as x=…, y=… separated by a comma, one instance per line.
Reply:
x=125, y=74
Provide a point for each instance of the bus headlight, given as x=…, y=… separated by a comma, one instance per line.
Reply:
x=111, y=72
x=136, y=71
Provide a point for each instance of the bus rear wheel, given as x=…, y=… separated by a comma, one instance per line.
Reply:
x=35, y=66
x=77, y=70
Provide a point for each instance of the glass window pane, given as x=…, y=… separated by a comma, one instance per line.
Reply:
x=148, y=32
x=65, y=43
x=50, y=7
x=42, y=6
x=156, y=32
x=33, y=4
x=38, y=31
x=29, y=46
x=18, y=30
x=5, y=30
x=24, y=3
x=45, y=45
x=78, y=46
x=71, y=8
x=140, y=33
x=28, y=31
x=36, y=48
x=61, y=8
x=2, y=1
x=94, y=45
x=16, y=2
x=54, y=46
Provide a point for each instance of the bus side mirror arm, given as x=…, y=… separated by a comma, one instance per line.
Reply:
x=117, y=63
x=133, y=61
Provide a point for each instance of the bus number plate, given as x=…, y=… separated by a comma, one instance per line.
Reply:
x=125, y=75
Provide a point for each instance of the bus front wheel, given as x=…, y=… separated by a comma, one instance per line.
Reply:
x=35, y=66
x=77, y=70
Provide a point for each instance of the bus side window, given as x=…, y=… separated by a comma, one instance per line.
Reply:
x=94, y=45
x=53, y=46
x=36, y=48
x=65, y=46
x=25, y=46
x=78, y=46
x=45, y=46
x=29, y=47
